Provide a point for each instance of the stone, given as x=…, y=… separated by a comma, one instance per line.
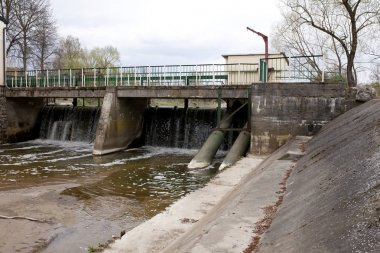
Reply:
x=365, y=93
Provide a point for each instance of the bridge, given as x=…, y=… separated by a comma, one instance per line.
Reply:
x=281, y=102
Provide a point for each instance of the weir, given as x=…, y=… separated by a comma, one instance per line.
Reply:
x=278, y=111
x=67, y=123
x=185, y=128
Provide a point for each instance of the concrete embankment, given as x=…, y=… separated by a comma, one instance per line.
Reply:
x=327, y=201
x=156, y=234
x=219, y=217
x=333, y=199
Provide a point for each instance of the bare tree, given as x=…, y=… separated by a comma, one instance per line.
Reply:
x=28, y=15
x=296, y=39
x=44, y=40
x=342, y=21
x=8, y=15
x=27, y=20
x=5, y=10
x=375, y=73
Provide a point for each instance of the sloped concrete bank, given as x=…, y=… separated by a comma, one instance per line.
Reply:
x=157, y=233
x=219, y=217
x=333, y=198
x=327, y=201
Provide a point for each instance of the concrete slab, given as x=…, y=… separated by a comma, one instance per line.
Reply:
x=229, y=226
x=218, y=218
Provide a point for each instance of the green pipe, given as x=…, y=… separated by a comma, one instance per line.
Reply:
x=205, y=155
x=237, y=150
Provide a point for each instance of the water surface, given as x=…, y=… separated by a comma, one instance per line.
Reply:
x=108, y=193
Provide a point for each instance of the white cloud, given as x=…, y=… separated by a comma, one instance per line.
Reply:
x=149, y=32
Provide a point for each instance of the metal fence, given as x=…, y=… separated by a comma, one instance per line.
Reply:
x=300, y=69
x=173, y=75
x=282, y=69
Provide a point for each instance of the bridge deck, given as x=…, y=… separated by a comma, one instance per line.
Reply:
x=168, y=92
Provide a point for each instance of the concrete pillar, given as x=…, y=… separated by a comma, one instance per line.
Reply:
x=120, y=122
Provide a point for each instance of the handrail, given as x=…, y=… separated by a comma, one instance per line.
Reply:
x=279, y=69
x=182, y=75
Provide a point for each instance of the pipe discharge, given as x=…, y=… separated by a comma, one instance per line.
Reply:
x=207, y=152
x=238, y=149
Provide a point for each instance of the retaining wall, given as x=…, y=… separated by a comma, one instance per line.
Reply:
x=21, y=118
x=280, y=111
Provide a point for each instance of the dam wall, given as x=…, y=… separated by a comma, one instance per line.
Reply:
x=283, y=110
x=278, y=111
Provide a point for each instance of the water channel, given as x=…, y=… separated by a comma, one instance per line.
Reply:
x=55, y=196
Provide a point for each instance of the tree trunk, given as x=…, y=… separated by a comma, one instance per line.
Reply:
x=351, y=80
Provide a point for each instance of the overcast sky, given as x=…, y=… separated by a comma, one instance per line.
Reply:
x=159, y=32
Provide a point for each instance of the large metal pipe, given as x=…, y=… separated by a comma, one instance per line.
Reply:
x=237, y=150
x=205, y=155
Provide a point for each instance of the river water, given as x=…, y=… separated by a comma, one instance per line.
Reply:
x=84, y=200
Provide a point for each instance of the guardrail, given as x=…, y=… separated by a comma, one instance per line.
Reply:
x=299, y=69
x=281, y=69
x=173, y=75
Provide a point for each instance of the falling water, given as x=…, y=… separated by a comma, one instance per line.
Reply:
x=67, y=123
x=179, y=127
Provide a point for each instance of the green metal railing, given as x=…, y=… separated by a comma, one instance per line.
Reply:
x=173, y=75
x=281, y=69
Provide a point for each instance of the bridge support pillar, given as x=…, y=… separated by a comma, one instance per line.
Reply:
x=120, y=122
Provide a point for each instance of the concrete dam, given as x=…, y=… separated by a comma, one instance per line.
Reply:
x=274, y=113
x=185, y=128
x=143, y=182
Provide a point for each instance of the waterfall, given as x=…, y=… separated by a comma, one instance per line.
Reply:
x=178, y=127
x=67, y=123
